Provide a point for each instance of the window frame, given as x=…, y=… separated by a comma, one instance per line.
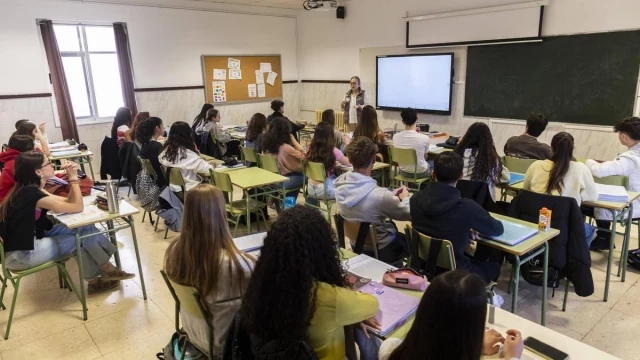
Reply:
x=85, y=56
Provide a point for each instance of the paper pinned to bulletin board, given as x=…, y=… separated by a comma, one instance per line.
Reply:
x=233, y=64
x=253, y=91
x=265, y=67
x=259, y=77
x=235, y=74
x=219, y=74
x=219, y=91
x=262, y=92
x=271, y=78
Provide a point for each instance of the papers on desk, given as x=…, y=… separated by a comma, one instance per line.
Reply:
x=395, y=307
x=367, y=267
x=251, y=244
x=57, y=145
x=513, y=233
x=515, y=178
x=65, y=153
x=64, y=148
x=435, y=148
x=612, y=193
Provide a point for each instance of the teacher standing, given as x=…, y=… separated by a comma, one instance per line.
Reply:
x=354, y=100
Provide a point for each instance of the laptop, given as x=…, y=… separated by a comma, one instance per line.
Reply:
x=513, y=233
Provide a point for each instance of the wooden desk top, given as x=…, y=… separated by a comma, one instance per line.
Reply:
x=93, y=215
x=252, y=177
x=71, y=156
x=524, y=247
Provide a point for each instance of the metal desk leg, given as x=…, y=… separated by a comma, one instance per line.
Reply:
x=545, y=276
x=112, y=237
x=83, y=297
x=135, y=245
x=625, y=245
x=246, y=196
x=82, y=160
x=516, y=284
x=90, y=167
x=610, y=260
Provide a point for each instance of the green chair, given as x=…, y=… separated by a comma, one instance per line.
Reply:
x=358, y=233
x=146, y=164
x=315, y=171
x=270, y=163
x=15, y=276
x=420, y=245
x=517, y=165
x=249, y=155
x=189, y=299
x=175, y=178
x=238, y=209
x=405, y=158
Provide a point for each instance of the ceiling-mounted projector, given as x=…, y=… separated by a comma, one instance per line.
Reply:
x=320, y=5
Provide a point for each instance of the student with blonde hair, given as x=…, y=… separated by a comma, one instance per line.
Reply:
x=205, y=257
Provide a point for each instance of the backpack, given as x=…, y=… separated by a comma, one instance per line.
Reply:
x=148, y=191
x=173, y=350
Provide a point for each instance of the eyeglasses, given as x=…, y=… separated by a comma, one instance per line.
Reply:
x=47, y=164
x=353, y=83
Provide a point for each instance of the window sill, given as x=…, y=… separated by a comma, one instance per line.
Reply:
x=83, y=122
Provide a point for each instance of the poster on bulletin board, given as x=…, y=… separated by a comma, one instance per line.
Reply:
x=232, y=78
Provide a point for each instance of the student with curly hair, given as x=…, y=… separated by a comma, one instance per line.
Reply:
x=298, y=289
x=279, y=142
x=147, y=133
x=180, y=152
x=323, y=150
x=481, y=160
x=255, y=131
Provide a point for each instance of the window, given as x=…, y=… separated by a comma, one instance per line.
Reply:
x=91, y=67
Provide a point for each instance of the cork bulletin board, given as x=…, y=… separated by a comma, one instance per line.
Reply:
x=229, y=79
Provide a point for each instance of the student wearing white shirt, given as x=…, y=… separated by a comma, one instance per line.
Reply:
x=562, y=176
x=450, y=324
x=411, y=139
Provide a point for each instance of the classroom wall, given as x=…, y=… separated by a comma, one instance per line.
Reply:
x=166, y=45
x=333, y=49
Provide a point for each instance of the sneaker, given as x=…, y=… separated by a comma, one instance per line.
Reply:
x=117, y=275
x=101, y=285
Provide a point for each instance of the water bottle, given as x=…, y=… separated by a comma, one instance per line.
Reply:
x=111, y=189
x=289, y=202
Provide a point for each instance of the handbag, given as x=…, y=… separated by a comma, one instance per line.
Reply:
x=86, y=184
x=405, y=278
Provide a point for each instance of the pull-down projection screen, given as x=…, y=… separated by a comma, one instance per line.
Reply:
x=479, y=28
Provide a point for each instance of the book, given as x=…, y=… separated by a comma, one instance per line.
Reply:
x=513, y=233
x=612, y=193
x=395, y=307
x=515, y=178
x=367, y=267
x=250, y=243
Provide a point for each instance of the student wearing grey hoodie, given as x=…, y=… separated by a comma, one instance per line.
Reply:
x=360, y=199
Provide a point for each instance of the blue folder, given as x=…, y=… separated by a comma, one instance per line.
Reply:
x=513, y=233
x=515, y=178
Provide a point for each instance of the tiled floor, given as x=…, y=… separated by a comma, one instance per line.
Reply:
x=48, y=321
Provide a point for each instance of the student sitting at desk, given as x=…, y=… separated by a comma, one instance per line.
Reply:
x=17, y=145
x=222, y=139
x=279, y=142
x=481, y=160
x=278, y=112
x=323, y=150
x=40, y=142
x=140, y=117
x=298, y=291
x=450, y=324
x=180, y=152
x=527, y=146
x=360, y=199
x=625, y=164
x=30, y=239
x=255, y=132
x=147, y=133
x=440, y=211
x=411, y=139
x=368, y=126
x=562, y=176
x=342, y=140
x=204, y=256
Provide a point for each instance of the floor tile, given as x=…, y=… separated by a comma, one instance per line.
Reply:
x=145, y=349
x=616, y=334
x=74, y=343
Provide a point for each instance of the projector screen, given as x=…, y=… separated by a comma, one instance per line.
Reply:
x=422, y=82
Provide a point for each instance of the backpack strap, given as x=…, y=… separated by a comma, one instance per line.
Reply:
x=432, y=256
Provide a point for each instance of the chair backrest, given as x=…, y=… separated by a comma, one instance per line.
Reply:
x=222, y=181
x=269, y=163
x=146, y=165
x=420, y=245
x=358, y=233
x=175, y=178
x=249, y=154
x=403, y=157
x=618, y=180
x=517, y=165
x=315, y=171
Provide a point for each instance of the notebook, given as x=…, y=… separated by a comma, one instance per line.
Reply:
x=57, y=145
x=251, y=244
x=515, y=178
x=612, y=193
x=66, y=153
x=367, y=267
x=395, y=307
x=513, y=233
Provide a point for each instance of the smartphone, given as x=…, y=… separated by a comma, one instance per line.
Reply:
x=544, y=350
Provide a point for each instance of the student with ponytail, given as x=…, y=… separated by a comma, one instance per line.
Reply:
x=563, y=176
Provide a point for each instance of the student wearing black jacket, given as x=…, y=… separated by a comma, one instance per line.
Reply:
x=278, y=111
x=440, y=211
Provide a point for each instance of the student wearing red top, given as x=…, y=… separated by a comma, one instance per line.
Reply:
x=17, y=144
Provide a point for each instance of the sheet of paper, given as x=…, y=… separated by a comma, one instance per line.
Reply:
x=235, y=74
x=233, y=64
x=219, y=91
x=253, y=90
x=367, y=267
x=219, y=74
x=259, y=77
x=262, y=92
x=265, y=67
x=271, y=78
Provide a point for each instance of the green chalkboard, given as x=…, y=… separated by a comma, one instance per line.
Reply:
x=583, y=79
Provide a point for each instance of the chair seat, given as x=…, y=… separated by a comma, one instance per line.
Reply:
x=43, y=266
x=410, y=179
x=240, y=206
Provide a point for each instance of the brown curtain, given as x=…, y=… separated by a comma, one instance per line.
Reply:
x=126, y=70
x=59, y=82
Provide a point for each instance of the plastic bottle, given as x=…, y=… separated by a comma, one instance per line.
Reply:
x=544, y=221
x=289, y=202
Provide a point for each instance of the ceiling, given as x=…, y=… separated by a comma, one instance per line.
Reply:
x=284, y=4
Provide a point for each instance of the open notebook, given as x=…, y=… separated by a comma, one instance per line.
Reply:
x=251, y=243
x=513, y=233
x=612, y=193
x=395, y=307
x=367, y=267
